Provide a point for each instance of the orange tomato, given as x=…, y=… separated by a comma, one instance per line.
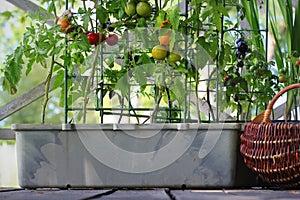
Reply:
x=166, y=24
x=64, y=23
x=164, y=39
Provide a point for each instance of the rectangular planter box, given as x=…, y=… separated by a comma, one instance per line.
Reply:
x=116, y=155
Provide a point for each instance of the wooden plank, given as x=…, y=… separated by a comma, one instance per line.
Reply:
x=7, y=134
x=24, y=99
x=29, y=6
x=257, y=193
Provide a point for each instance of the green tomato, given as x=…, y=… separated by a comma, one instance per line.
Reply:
x=173, y=57
x=130, y=9
x=143, y=9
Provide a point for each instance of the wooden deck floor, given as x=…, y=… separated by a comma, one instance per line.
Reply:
x=80, y=194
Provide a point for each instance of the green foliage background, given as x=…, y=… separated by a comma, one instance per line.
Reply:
x=13, y=23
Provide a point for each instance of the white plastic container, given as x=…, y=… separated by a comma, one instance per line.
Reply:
x=117, y=156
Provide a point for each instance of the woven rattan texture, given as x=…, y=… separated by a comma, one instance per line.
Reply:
x=272, y=151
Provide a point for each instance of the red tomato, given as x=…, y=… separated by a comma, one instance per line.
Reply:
x=94, y=38
x=111, y=40
x=226, y=78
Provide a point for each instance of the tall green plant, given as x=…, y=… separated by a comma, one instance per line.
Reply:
x=253, y=17
x=287, y=48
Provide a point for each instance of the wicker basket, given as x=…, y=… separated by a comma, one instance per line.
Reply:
x=272, y=149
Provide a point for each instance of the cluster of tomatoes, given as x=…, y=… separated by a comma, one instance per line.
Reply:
x=161, y=51
x=138, y=7
x=242, y=49
x=94, y=38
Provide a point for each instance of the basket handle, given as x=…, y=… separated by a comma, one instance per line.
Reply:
x=268, y=111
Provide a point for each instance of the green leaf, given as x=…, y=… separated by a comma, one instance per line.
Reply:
x=81, y=11
x=217, y=21
x=144, y=59
x=55, y=51
x=140, y=77
x=29, y=66
x=174, y=15
x=296, y=31
x=7, y=14
x=86, y=20
x=242, y=83
x=101, y=14
x=182, y=70
x=19, y=55
x=178, y=89
x=51, y=7
x=123, y=84
x=160, y=18
x=141, y=22
x=207, y=12
x=59, y=79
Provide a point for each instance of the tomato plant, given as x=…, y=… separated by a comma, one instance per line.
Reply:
x=178, y=48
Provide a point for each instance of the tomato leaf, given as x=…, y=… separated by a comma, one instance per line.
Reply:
x=101, y=14
x=123, y=84
x=178, y=89
x=86, y=20
x=140, y=77
x=174, y=15
x=160, y=18
x=59, y=79
x=29, y=65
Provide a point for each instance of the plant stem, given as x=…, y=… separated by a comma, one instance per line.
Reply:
x=87, y=86
x=208, y=93
x=90, y=19
x=156, y=106
x=156, y=6
x=197, y=99
x=134, y=112
x=54, y=9
x=47, y=88
x=122, y=106
x=248, y=115
x=196, y=70
x=170, y=104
